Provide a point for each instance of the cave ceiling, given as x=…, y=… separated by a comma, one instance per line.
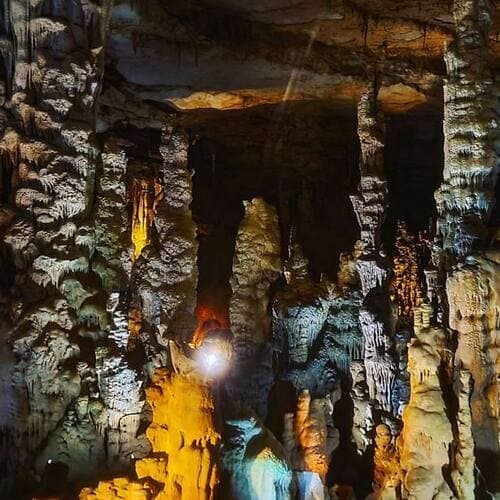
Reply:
x=230, y=54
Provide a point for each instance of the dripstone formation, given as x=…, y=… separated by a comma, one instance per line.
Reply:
x=249, y=250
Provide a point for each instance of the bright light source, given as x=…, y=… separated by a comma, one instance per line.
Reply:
x=49, y=461
x=213, y=355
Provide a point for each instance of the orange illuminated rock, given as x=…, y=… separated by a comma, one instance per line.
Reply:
x=307, y=434
x=184, y=441
x=142, y=214
x=426, y=437
x=408, y=256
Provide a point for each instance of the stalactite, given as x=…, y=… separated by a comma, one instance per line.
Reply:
x=143, y=194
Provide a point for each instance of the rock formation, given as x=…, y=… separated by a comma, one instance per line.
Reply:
x=310, y=438
x=427, y=432
x=254, y=460
x=256, y=266
x=183, y=464
x=249, y=249
x=373, y=270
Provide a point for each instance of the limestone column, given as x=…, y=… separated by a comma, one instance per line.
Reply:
x=370, y=204
x=466, y=195
x=467, y=267
x=256, y=266
x=166, y=273
x=47, y=145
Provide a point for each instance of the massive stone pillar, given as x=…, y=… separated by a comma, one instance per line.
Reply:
x=104, y=421
x=466, y=195
x=166, y=273
x=53, y=60
x=467, y=267
x=256, y=266
x=370, y=204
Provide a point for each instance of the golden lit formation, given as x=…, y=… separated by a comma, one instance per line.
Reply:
x=145, y=194
x=184, y=442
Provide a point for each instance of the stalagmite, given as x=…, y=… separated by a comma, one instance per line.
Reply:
x=256, y=266
x=425, y=441
x=463, y=463
x=386, y=473
x=183, y=435
x=310, y=438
